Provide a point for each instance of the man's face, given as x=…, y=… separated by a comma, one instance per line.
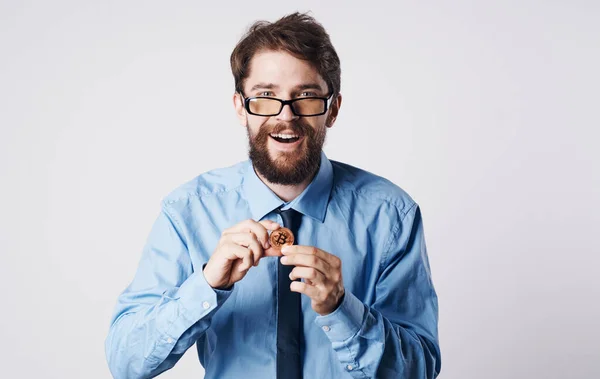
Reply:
x=281, y=160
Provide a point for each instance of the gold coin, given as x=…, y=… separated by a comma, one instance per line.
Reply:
x=280, y=237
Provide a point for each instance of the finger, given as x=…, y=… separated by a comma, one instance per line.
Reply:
x=270, y=225
x=258, y=228
x=248, y=240
x=235, y=267
x=267, y=225
x=272, y=252
x=314, y=276
x=306, y=261
x=236, y=251
x=331, y=259
x=305, y=288
x=237, y=273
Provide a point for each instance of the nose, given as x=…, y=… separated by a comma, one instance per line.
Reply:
x=286, y=114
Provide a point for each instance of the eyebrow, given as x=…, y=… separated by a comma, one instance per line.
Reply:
x=299, y=87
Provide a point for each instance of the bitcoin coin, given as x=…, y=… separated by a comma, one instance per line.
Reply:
x=280, y=237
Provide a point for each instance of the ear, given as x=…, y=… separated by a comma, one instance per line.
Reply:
x=334, y=110
x=240, y=111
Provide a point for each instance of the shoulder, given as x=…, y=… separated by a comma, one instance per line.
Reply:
x=351, y=182
x=209, y=184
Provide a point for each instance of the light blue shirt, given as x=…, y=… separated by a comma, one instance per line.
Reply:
x=385, y=327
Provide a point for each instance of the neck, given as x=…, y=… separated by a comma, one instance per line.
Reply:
x=287, y=192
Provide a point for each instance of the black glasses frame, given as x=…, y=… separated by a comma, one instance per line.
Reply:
x=284, y=103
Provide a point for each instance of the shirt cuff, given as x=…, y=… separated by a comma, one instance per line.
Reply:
x=198, y=298
x=345, y=321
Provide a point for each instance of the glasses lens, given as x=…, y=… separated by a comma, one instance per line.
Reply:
x=309, y=107
x=265, y=107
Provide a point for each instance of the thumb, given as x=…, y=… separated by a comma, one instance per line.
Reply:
x=272, y=252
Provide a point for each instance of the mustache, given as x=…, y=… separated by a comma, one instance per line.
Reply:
x=297, y=127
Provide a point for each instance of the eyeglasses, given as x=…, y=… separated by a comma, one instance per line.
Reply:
x=270, y=106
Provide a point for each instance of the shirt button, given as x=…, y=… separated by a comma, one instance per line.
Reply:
x=326, y=328
x=349, y=367
x=169, y=340
x=206, y=305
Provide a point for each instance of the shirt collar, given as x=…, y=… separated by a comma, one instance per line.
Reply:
x=311, y=202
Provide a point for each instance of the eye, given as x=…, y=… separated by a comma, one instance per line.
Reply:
x=308, y=94
x=266, y=93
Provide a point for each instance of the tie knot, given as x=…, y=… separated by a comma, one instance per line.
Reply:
x=291, y=219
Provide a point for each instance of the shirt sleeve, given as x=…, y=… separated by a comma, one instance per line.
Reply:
x=396, y=337
x=164, y=310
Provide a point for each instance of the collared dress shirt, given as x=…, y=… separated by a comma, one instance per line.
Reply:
x=385, y=327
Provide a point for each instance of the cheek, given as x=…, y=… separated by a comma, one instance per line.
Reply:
x=318, y=123
x=255, y=123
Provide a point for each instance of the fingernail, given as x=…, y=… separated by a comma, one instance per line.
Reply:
x=284, y=259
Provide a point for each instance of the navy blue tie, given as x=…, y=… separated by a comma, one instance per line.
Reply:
x=289, y=312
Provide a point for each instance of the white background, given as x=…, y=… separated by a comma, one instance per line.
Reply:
x=487, y=113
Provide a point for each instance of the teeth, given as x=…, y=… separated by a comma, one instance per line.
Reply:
x=284, y=136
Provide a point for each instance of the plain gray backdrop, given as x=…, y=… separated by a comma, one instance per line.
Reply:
x=486, y=113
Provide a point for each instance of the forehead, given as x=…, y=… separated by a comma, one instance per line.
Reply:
x=283, y=70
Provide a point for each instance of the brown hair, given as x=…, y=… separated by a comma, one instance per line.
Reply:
x=298, y=34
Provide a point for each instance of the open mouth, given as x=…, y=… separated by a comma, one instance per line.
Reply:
x=285, y=138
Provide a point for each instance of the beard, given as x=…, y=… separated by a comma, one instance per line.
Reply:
x=289, y=168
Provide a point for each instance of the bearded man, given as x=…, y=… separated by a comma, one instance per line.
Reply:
x=287, y=265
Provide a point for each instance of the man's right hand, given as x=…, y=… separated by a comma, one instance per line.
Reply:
x=239, y=248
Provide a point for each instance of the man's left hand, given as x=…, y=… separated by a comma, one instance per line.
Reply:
x=322, y=274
